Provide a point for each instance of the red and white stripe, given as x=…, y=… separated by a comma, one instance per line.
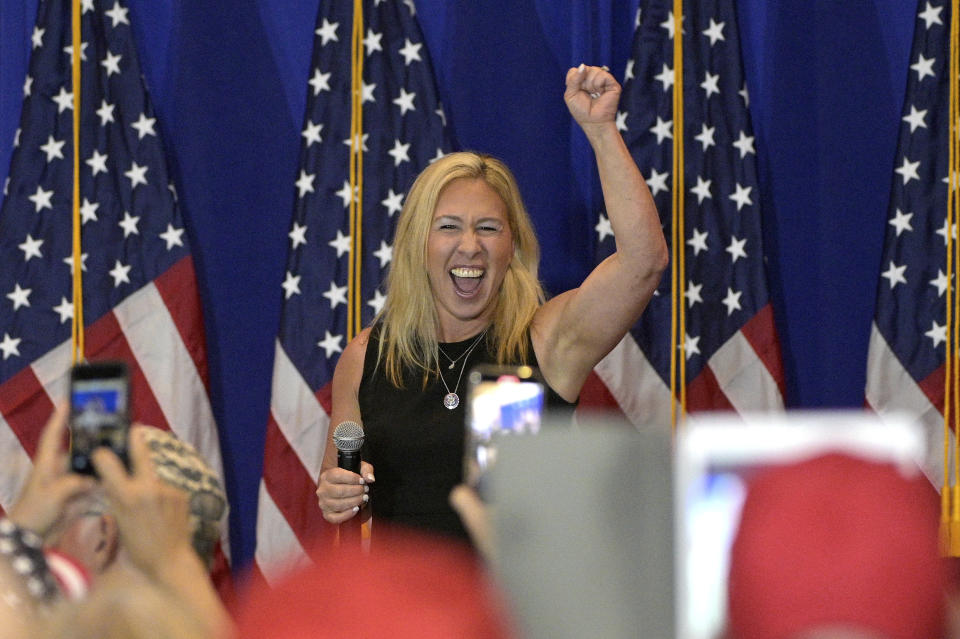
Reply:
x=891, y=389
x=288, y=518
x=744, y=375
x=73, y=578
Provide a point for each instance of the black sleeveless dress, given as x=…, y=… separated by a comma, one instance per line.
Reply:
x=415, y=443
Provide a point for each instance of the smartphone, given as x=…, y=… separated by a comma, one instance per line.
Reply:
x=501, y=401
x=99, y=412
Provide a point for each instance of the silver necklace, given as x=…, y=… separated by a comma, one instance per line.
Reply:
x=453, y=361
x=451, y=400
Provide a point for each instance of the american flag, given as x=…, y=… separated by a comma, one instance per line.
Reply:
x=403, y=130
x=140, y=301
x=905, y=366
x=732, y=352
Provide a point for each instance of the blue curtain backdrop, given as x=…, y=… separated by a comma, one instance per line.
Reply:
x=228, y=81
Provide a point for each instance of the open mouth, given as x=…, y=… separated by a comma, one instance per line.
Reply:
x=466, y=280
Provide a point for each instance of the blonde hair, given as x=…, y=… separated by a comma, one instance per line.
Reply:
x=409, y=319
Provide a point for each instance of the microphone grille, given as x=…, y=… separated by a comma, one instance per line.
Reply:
x=348, y=436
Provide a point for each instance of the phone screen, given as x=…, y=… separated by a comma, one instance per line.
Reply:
x=99, y=412
x=502, y=400
x=711, y=515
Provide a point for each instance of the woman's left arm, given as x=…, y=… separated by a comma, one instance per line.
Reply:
x=575, y=330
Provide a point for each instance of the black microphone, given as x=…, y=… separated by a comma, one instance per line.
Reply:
x=348, y=438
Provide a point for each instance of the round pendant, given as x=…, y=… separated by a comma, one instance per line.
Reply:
x=451, y=400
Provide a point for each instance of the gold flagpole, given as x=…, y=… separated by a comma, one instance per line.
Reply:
x=678, y=324
x=356, y=173
x=952, y=375
x=76, y=326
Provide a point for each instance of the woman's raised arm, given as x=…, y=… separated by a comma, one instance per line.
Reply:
x=575, y=330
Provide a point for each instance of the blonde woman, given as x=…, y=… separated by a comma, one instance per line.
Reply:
x=463, y=289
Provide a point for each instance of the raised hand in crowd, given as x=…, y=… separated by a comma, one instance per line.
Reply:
x=50, y=484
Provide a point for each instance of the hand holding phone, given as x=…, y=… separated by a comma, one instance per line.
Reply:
x=501, y=400
x=49, y=485
x=99, y=412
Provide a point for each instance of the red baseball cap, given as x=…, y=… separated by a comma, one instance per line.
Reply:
x=408, y=585
x=837, y=541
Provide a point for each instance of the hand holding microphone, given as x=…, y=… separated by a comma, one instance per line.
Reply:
x=344, y=490
x=348, y=438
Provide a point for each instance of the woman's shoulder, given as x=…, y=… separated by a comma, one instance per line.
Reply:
x=359, y=343
x=351, y=360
